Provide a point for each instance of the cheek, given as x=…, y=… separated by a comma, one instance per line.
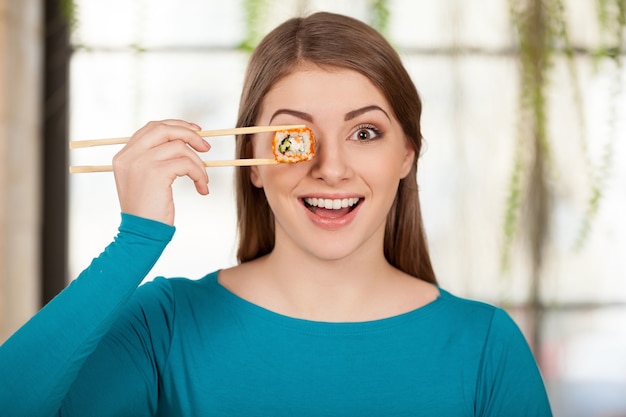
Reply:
x=262, y=146
x=401, y=158
x=383, y=180
x=278, y=179
x=384, y=170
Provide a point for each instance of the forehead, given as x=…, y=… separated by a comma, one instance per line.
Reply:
x=310, y=86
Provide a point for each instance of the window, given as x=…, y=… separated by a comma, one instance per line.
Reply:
x=153, y=60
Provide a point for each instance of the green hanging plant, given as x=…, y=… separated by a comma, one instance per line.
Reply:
x=612, y=23
x=379, y=15
x=253, y=10
x=536, y=24
x=541, y=31
x=69, y=12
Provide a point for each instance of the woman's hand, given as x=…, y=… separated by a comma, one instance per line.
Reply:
x=154, y=157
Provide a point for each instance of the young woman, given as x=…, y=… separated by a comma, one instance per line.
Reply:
x=334, y=309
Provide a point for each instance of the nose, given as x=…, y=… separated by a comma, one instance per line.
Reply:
x=331, y=162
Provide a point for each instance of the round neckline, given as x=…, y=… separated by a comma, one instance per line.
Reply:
x=332, y=326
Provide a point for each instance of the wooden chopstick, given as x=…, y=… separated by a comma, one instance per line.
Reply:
x=220, y=163
x=205, y=133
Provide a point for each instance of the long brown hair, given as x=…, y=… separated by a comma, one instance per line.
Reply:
x=332, y=40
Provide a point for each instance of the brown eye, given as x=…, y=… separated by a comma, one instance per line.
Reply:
x=366, y=133
x=363, y=135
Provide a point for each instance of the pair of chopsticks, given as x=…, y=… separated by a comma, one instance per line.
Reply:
x=204, y=133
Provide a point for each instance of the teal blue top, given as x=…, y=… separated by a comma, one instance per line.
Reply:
x=181, y=347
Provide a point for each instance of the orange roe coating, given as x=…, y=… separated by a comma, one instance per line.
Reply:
x=294, y=145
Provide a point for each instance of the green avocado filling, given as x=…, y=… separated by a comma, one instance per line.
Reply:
x=285, y=145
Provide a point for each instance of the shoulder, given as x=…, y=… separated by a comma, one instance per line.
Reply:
x=173, y=304
x=467, y=311
x=490, y=325
x=475, y=308
x=508, y=377
x=162, y=288
x=500, y=325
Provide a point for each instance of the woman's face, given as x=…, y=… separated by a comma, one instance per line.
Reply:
x=336, y=204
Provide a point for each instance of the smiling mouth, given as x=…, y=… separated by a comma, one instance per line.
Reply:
x=331, y=207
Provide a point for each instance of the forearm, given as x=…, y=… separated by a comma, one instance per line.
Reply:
x=40, y=361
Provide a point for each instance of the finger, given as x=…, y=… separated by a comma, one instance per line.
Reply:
x=144, y=163
x=185, y=166
x=144, y=187
x=178, y=150
x=173, y=122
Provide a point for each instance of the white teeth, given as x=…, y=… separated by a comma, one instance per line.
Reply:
x=334, y=204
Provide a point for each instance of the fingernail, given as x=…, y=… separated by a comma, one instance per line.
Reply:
x=195, y=126
x=207, y=145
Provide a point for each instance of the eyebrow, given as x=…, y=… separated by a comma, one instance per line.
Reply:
x=295, y=113
x=355, y=113
x=349, y=116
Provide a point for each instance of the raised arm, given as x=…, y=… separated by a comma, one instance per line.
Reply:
x=39, y=363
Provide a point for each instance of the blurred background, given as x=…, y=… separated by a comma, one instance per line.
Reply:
x=523, y=176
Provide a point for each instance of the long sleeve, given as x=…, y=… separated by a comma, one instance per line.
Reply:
x=39, y=363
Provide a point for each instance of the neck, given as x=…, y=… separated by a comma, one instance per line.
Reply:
x=326, y=290
x=358, y=288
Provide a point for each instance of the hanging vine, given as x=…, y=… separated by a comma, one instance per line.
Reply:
x=541, y=29
x=69, y=13
x=379, y=15
x=534, y=21
x=253, y=12
x=612, y=22
x=540, y=26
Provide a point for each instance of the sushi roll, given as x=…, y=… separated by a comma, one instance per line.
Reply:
x=294, y=145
